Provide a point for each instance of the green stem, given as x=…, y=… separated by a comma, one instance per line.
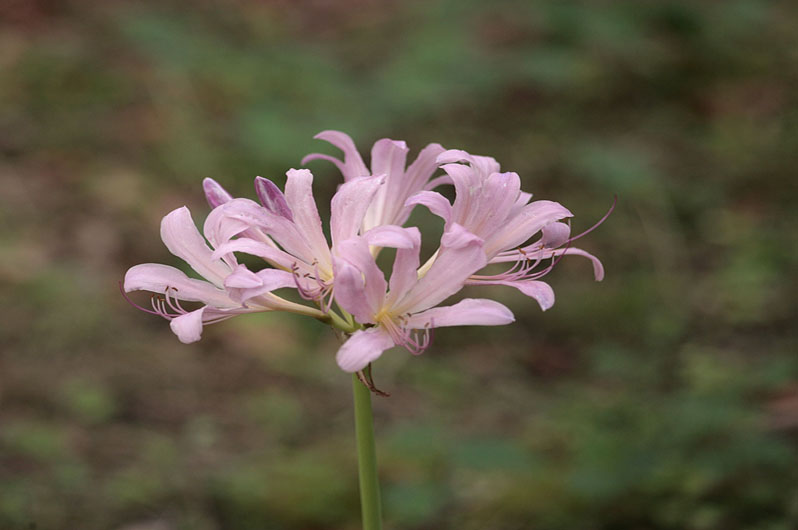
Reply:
x=366, y=457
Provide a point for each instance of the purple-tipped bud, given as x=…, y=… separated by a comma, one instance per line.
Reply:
x=272, y=198
x=215, y=193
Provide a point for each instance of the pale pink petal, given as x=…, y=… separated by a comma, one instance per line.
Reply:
x=523, y=200
x=299, y=195
x=188, y=327
x=182, y=238
x=532, y=218
x=388, y=157
x=272, y=198
x=468, y=312
x=215, y=194
x=352, y=165
x=540, y=291
x=438, y=181
x=392, y=236
x=273, y=255
x=220, y=228
x=492, y=204
x=483, y=164
x=437, y=203
x=405, y=268
x=460, y=256
x=350, y=292
x=256, y=284
x=422, y=168
x=349, y=205
x=157, y=278
x=242, y=278
x=356, y=252
x=363, y=347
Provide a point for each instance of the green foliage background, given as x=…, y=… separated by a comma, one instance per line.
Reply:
x=665, y=397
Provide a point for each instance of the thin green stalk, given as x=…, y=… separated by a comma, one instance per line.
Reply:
x=366, y=457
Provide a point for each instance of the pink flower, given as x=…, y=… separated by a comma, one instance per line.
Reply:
x=291, y=224
x=229, y=288
x=491, y=205
x=388, y=157
x=403, y=311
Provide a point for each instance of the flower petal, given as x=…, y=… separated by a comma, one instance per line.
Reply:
x=242, y=278
x=157, y=278
x=532, y=218
x=272, y=198
x=181, y=237
x=215, y=194
x=360, y=291
x=273, y=255
x=299, y=196
x=460, y=256
x=405, y=268
x=540, y=291
x=468, y=312
x=363, y=347
x=392, y=236
x=349, y=205
x=188, y=327
x=437, y=203
x=352, y=166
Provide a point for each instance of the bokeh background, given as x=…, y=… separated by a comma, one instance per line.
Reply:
x=665, y=397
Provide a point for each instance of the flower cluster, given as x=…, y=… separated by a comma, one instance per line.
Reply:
x=490, y=221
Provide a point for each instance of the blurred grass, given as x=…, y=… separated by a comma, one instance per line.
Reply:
x=663, y=398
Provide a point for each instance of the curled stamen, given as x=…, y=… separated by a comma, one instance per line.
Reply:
x=599, y=222
x=134, y=304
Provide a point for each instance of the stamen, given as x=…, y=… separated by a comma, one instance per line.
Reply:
x=600, y=221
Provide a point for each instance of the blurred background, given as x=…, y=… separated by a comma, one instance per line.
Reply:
x=665, y=397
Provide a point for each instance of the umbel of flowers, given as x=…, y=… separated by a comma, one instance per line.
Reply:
x=490, y=221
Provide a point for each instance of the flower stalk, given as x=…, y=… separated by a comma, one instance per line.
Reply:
x=370, y=505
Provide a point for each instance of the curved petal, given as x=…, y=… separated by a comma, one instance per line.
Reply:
x=349, y=205
x=350, y=292
x=434, y=201
x=299, y=196
x=247, y=285
x=157, y=278
x=405, y=268
x=352, y=165
x=363, y=347
x=272, y=198
x=460, y=256
x=273, y=255
x=368, y=279
x=468, y=312
x=242, y=278
x=540, y=291
x=181, y=237
x=423, y=167
x=392, y=236
x=215, y=194
x=188, y=327
x=388, y=157
x=532, y=218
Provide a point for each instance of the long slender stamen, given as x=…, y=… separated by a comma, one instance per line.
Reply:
x=599, y=222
